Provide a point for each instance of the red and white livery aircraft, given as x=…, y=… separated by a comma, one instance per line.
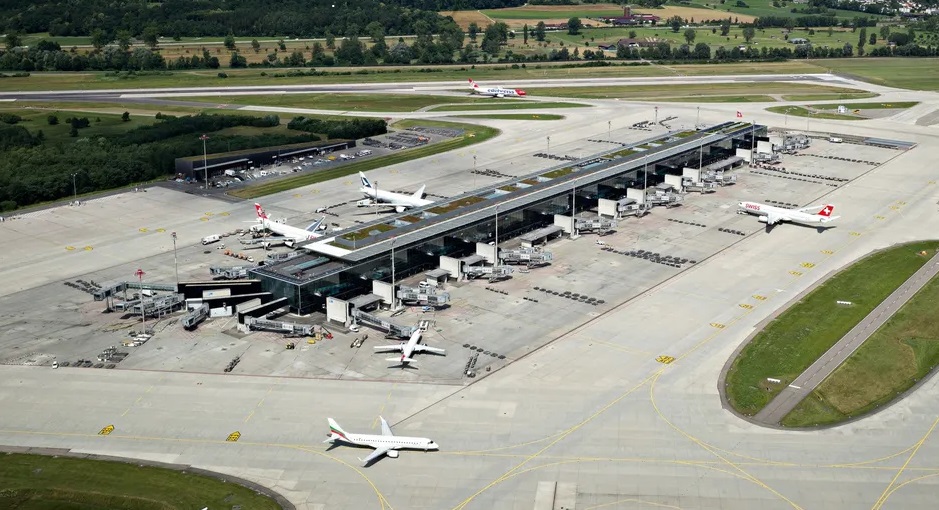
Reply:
x=773, y=215
x=495, y=91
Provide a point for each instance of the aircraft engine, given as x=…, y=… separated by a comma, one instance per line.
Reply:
x=289, y=243
x=399, y=209
x=364, y=203
x=762, y=219
x=393, y=454
x=266, y=245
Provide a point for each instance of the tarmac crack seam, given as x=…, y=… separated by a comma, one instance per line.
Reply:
x=886, y=494
x=564, y=434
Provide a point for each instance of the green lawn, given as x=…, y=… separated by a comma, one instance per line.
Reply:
x=765, y=8
x=794, y=340
x=640, y=92
x=515, y=116
x=799, y=111
x=483, y=73
x=827, y=97
x=906, y=73
x=903, y=351
x=718, y=99
x=866, y=106
x=474, y=134
x=109, y=124
x=345, y=102
x=34, y=482
x=514, y=105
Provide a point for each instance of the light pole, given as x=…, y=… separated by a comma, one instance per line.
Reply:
x=549, y=144
x=697, y=120
x=574, y=210
x=143, y=310
x=474, y=171
x=496, y=258
x=656, y=121
x=74, y=189
x=609, y=130
x=175, y=262
x=394, y=294
x=752, y=139
x=205, y=165
x=376, y=198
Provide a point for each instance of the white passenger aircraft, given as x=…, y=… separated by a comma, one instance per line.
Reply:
x=289, y=236
x=380, y=197
x=495, y=91
x=773, y=215
x=385, y=444
x=408, y=348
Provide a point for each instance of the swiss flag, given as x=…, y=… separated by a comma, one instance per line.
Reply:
x=739, y=115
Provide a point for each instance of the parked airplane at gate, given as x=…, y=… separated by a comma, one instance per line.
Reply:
x=385, y=444
x=408, y=348
x=289, y=236
x=773, y=215
x=380, y=197
x=495, y=91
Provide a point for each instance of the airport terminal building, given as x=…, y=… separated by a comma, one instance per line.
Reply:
x=444, y=235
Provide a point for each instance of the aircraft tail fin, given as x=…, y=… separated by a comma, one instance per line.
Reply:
x=365, y=181
x=419, y=194
x=826, y=211
x=260, y=211
x=335, y=431
x=316, y=225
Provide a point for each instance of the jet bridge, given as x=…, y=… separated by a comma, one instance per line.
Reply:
x=423, y=296
x=490, y=271
x=598, y=225
x=229, y=272
x=527, y=256
x=256, y=324
x=159, y=305
x=381, y=324
x=195, y=316
x=113, y=289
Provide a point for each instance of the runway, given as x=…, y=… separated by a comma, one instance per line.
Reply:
x=594, y=416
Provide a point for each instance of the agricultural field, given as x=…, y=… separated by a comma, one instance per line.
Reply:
x=757, y=8
x=516, y=17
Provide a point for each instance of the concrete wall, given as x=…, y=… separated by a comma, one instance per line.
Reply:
x=636, y=194
x=485, y=250
x=248, y=304
x=606, y=208
x=337, y=310
x=745, y=154
x=764, y=146
x=563, y=221
x=383, y=289
x=674, y=180
x=690, y=173
x=451, y=264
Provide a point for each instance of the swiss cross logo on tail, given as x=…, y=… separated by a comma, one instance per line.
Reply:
x=260, y=211
x=826, y=211
x=739, y=115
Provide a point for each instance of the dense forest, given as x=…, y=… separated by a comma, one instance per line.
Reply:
x=33, y=170
x=197, y=18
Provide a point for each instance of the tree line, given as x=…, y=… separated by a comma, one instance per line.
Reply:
x=348, y=129
x=33, y=170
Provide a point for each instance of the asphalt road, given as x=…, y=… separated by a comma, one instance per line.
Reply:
x=813, y=376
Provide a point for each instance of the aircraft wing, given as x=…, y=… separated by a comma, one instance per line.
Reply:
x=384, y=204
x=772, y=219
x=386, y=348
x=385, y=428
x=374, y=455
x=425, y=348
x=262, y=240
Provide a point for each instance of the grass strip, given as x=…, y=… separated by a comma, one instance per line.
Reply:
x=473, y=135
x=799, y=111
x=36, y=482
x=800, y=335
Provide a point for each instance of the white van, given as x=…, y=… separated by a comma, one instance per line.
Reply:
x=211, y=239
x=834, y=139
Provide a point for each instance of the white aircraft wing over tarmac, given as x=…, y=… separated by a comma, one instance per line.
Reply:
x=407, y=349
x=385, y=444
x=770, y=215
x=380, y=197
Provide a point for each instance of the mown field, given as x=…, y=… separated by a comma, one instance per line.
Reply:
x=898, y=355
x=643, y=92
x=349, y=102
x=501, y=74
x=907, y=73
x=35, y=482
x=796, y=338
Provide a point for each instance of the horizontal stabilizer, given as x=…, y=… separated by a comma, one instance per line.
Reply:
x=402, y=359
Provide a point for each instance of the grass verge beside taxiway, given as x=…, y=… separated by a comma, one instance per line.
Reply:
x=897, y=356
x=518, y=104
x=515, y=116
x=36, y=482
x=644, y=92
x=472, y=135
x=790, y=343
x=800, y=111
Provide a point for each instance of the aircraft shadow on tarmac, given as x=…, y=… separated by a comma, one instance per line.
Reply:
x=819, y=228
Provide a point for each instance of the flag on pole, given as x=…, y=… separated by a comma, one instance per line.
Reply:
x=739, y=114
x=174, y=236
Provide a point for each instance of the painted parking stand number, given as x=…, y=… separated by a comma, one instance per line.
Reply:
x=855, y=233
x=665, y=359
x=106, y=430
x=795, y=273
x=718, y=325
x=828, y=252
x=807, y=265
x=759, y=297
x=234, y=436
x=745, y=306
